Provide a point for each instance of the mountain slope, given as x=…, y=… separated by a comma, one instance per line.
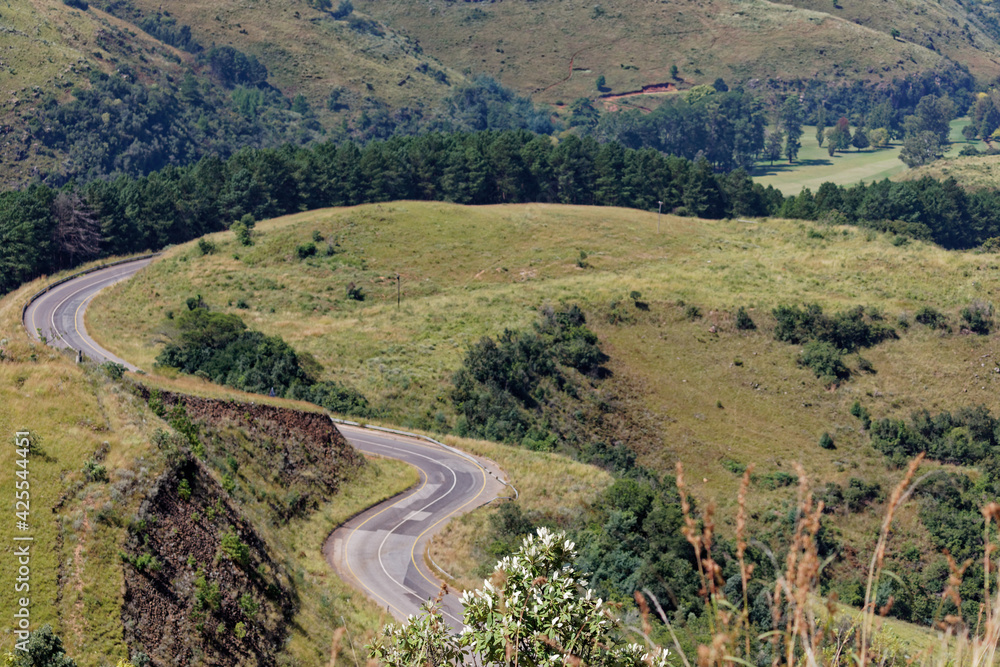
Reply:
x=555, y=50
x=87, y=93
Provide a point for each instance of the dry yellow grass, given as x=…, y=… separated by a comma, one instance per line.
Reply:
x=76, y=581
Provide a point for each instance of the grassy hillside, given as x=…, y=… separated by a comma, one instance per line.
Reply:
x=555, y=50
x=308, y=51
x=80, y=523
x=974, y=173
x=48, y=48
x=716, y=394
x=965, y=32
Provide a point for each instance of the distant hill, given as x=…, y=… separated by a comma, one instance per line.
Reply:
x=555, y=50
x=132, y=86
x=86, y=91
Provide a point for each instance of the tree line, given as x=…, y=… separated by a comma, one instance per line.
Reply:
x=43, y=229
x=176, y=204
x=938, y=211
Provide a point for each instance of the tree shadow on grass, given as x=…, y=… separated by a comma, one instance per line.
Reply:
x=783, y=167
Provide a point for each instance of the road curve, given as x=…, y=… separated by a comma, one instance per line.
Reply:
x=57, y=315
x=380, y=551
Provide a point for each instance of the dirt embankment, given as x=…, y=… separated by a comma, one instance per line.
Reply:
x=301, y=447
x=201, y=584
x=185, y=596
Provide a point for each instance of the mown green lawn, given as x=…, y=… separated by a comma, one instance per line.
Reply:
x=815, y=166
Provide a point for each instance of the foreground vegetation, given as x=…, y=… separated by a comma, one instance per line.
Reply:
x=537, y=608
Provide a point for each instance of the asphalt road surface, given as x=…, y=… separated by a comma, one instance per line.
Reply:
x=57, y=315
x=381, y=551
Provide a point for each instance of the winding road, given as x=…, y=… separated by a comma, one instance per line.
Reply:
x=381, y=551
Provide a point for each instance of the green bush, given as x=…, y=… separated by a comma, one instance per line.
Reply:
x=861, y=412
x=848, y=330
x=978, y=317
x=219, y=346
x=95, y=472
x=692, y=312
x=743, y=320
x=355, y=292
x=825, y=441
x=113, y=370
x=931, y=317
x=234, y=548
x=207, y=596
x=306, y=250
x=243, y=229
x=206, y=247
x=249, y=606
x=860, y=493
x=824, y=360
x=184, y=490
x=734, y=466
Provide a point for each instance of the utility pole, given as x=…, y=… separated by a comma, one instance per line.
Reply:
x=659, y=210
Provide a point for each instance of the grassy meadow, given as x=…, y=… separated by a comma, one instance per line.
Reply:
x=716, y=394
x=815, y=166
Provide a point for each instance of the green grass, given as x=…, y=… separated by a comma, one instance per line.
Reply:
x=76, y=578
x=815, y=166
x=469, y=272
x=706, y=393
x=307, y=52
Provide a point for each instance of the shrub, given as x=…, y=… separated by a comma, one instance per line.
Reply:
x=848, y=330
x=860, y=493
x=825, y=441
x=825, y=361
x=355, y=292
x=113, y=370
x=244, y=234
x=743, y=320
x=861, y=412
x=249, y=606
x=234, y=548
x=692, y=312
x=206, y=247
x=978, y=317
x=184, y=490
x=930, y=317
x=95, y=472
x=240, y=630
x=306, y=250
x=206, y=593
x=734, y=466
x=343, y=10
